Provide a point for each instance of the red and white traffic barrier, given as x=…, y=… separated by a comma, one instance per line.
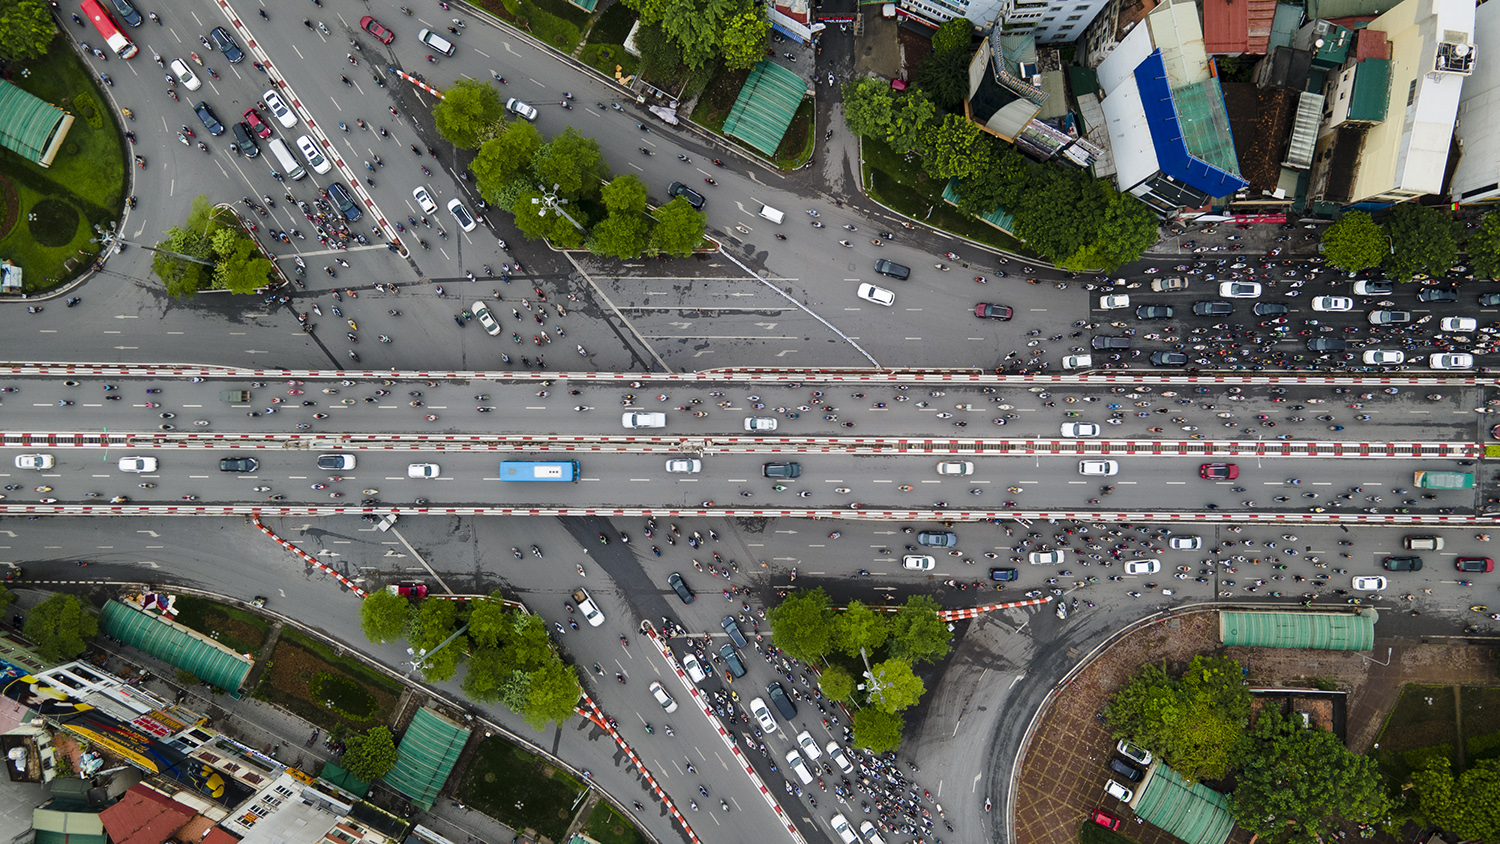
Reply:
x=306, y=557
x=591, y=711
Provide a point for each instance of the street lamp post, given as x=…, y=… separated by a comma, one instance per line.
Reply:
x=550, y=202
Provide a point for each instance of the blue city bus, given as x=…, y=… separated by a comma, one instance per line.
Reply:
x=539, y=470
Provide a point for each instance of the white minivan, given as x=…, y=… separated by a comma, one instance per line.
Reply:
x=284, y=157
x=315, y=158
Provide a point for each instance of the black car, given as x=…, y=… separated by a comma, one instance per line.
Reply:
x=1489, y=299
x=221, y=38
x=1168, y=359
x=790, y=469
x=782, y=701
x=1155, y=312
x=732, y=627
x=1003, y=574
x=340, y=196
x=1403, y=563
x=732, y=659
x=1126, y=770
x=245, y=140
x=1325, y=344
x=210, y=122
x=693, y=197
x=126, y=12
x=238, y=464
x=1437, y=294
x=1107, y=342
x=1270, y=309
x=1214, y=308
x=680, y=586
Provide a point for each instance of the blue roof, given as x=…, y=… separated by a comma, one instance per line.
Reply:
x=1171, y=137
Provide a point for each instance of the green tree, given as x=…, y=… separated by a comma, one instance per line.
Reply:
x=626, y=194
x=802, y=624
x=504, y=158
x=528, y=646
x=744, y=37
x=990, y=186
x=183, y=278
x=431, y=625
x=867, y=105
x=370, y=756
x=552, y=696
x=383, y=616
x=954, y=36
x=661, y=57
x=485, y=674
x=954, y=147
x=572, y=163
x=945, y=77
x=1483, y=247
x=1468, y=807
x=7, y=597
x=894, y=686
x=1424, y=241
x=1193, y=722
x=61, y=626
x=918, y=633
x=877, y=730
x=624, y=235
x=241, y=267
x=836, y=683
x=490, y=622
x=1296, y=784
x=466, y=112
x=26, y=30
x=1125, y=230
x=1355, y=243
x=516, y=690
x=534, y=220
x=679, y=228
x=859, y=628
x=911, y=114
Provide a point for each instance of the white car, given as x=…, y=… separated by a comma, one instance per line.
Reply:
x=1119, y=792
x=1077, y=361
x=1384, y=357
x=285, y=116
x=315, y=158
x=1143, y=567
x=659, y=692
x=587, y=606
x=836, y=753
x=809, y=745
x=520, y=109
x=878, y=295
x=684, y=466
x=1185, y=543
x=1239, y=289
x=424, y=199
x=1045, y=558
x=955, y=467
x=1332, y=303
x=798, y=765
x=486, y=319
x=1113, y=301
x=1098, y=467
x=760, y=423
x=422, y=470
x=644, y=420
x=34, y=461
x=762, y=715
x=871, y=834
x=1451, y=360
x=1370, y=583
x=1458, y=324
x=461, y=215
x=846, y=832
x=138, y=465
x=693, y=668
x=1080, y=429
x=918, y=562
x=186, y=74
x=1374, y=287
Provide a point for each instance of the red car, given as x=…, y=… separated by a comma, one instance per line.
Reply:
x=408, y=590
x=372, y=26
x=1475, y=564
x=258, y=126
x=1218, y=471
x=984, y=310
x=1104, y=819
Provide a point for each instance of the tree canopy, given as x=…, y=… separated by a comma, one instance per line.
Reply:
x=1424, y=241
x=803, y=624
x=703, y=31
x=26, y=30
x=893, y=686
x=1468, y=807
x=467, y=112
x=1483, y=247
x=859, y=629
x=1356, y=242
x=371, y=755
x=955, y=35
x=679, y=228
x=383, y=616
x=1193, y=722
x=213, y=235
x=1296, y=784
x=918, y=633
x=61, y=626
x=877, y=730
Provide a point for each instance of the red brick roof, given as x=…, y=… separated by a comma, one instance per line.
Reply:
x=144, y=816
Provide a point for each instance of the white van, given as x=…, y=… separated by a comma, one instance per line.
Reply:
x=772, y=214
x=283, y=155
x=314, y=156
x=436, y=42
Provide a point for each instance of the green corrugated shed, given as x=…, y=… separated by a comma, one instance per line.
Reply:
x=1193, y=813
x=1372, y=90
x=184, y=648
x=765, y=107
x=27, y=123
x=997, y=216
x=343, y=779
x=1335, y=9
x=428, y=752
x=1293, y=629
x=56, y=827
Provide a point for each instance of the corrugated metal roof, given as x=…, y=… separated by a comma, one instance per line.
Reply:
x=428, y=752
x=1293, y=629
x=145, y=816
x=1194, y=813
x=26, y=122
x=765, y=107
x=1371, y=95
x=1226, y=26
x=167, y=640
x=1189, y=130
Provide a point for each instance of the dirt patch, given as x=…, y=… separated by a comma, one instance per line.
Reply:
x=295, y=672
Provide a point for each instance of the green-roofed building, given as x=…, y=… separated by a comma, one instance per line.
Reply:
x=31, y=127
x=343, y=779
x=765, y=107
x=997, y=216
x=1190, y=812
x=427, y=754
x=1329, y=631
x=169, y=641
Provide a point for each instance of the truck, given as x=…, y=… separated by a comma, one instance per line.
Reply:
x=234, y=395
x=1444, y=480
